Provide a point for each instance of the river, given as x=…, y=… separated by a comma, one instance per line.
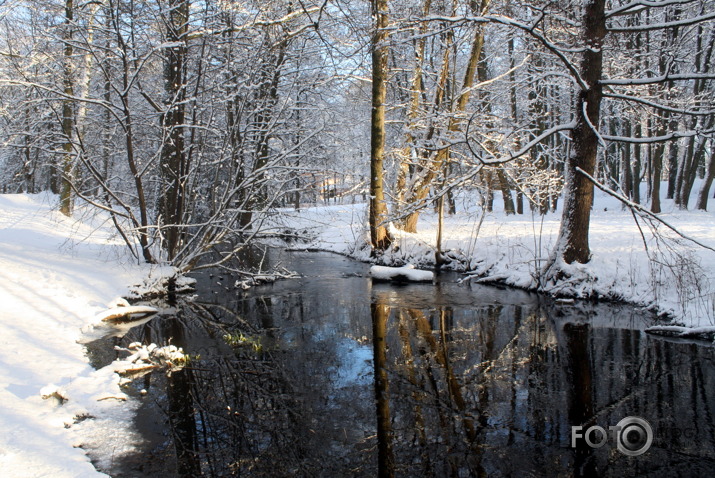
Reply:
x=331, y=375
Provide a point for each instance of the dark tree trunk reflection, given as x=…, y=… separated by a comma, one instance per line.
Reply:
x=385, y=456
x=182, y=423
x=580, y=392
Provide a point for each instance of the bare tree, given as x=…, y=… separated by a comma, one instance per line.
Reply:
x=379, y=237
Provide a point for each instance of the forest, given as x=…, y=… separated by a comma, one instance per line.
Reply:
x=163, y=163
x=192, y=123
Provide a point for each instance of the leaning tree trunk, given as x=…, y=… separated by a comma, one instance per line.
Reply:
x=379, y=237
x=431, y=165
x=573, y=243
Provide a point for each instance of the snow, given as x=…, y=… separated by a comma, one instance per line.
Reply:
x=143, y=358
x=57, y=275
x=406, y=273
x=673, y=276
x=678, y=331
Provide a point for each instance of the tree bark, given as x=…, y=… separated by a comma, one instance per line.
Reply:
x=379, y=236
x=68, y=119
x=173, y=154
x=573, y=236
x=707, y=184
x=505, y=192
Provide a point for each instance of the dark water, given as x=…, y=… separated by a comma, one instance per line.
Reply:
x=330, y=375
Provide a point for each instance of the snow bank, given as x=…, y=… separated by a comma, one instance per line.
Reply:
x=672, y=276
x=57, y=274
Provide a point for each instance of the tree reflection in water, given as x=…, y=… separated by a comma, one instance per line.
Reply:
x=331, y=376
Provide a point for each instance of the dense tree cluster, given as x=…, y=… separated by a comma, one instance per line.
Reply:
x=191, y=121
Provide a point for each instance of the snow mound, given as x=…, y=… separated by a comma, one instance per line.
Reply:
x=406, y=273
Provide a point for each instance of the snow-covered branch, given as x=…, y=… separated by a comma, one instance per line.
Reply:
x=658, y=79
x=640, y=5
x=524, y=149
x=664, y=25
x=660, y=106
x=658, y=139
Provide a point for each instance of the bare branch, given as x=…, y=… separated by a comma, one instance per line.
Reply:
x=640, y=209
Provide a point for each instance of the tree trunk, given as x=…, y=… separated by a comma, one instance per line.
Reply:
x=707, y=184
x=505, y=191
x=637, y=166
x=515, y=116
x=416, y=90
x=173, y=154
x=67, y=113
x=573, y=236
x=656, y=162
x=627, y=172
x=268, y=97
x=379, y=237
x=438, y=257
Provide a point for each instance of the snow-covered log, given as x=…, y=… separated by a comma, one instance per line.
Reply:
x=682, y=332
x=146, y=358
x=406, y=273
x=124, y=313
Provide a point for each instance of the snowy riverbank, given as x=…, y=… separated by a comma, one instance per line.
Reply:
x=57, y=274
x=672, y=276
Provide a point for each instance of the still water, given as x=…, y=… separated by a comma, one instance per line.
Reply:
x=332, y=375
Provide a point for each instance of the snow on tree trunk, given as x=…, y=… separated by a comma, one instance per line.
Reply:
x=573, y=244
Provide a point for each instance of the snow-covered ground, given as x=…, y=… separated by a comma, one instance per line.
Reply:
x=672, y=276
x=56, y=274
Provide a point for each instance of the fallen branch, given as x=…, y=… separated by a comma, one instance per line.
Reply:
x=126, y=313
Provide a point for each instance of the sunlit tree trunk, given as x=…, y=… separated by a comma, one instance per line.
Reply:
x=379, y=236
x=430, y=167
x=413, y=112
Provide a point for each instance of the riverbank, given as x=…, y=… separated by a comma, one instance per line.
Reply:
x=57, y=273
x=639, y=263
